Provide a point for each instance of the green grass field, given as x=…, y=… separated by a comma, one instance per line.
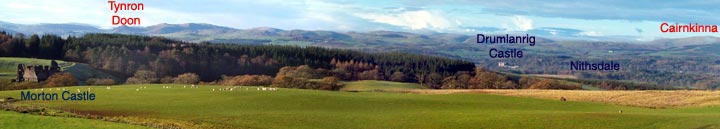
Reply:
x=297, y=108
x=371, y=85
x=14, y=120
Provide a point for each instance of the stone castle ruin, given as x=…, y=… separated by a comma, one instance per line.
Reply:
x=36, y=73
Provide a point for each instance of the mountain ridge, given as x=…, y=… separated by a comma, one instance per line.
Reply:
x=664, y=59
x=227, y=33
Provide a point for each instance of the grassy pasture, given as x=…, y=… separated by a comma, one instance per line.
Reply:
x=296, y=108
x=647, y=99
x=371, y=85
x=14, y=120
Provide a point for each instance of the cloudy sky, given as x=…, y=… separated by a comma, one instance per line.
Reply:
x=638, y=19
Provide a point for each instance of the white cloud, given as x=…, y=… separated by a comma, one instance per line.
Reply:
x=591, y=33
x=48, y=11
x=553, y=32
x=522, y=23
x=415, y=20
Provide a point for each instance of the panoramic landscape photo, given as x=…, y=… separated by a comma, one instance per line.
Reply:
x=339, y=64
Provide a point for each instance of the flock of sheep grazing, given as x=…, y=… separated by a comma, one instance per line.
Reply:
x=142, y=87
x=240, y=88
x=64, y=89
x=227, y=88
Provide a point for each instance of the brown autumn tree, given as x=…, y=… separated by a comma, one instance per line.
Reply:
x=398, y=76
x=330, y=83
x=61, y=79
x=143, y=77
x=100, y=81
x=167, y=80
x=247, y=80
x=451, y=83
x=434, y=81
x=297, y=77
x=187, y=78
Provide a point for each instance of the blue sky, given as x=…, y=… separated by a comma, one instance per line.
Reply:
x=637, y=19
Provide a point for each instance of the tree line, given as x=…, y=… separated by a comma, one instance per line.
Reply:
x=145, y=59
x=124, y=55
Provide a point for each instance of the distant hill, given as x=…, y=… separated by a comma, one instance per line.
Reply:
x=7, y=30
x=81, y=29
x=681, y=42
x=59, y=29
x=659, y=61
x=187, y=27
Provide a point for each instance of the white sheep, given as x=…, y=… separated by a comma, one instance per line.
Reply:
x=213, y=89
x=137, y=89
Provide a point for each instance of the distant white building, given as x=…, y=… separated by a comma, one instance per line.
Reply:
x=504, y=64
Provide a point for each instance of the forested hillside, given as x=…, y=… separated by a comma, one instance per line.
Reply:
x=159, y=60
x=123, y=55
